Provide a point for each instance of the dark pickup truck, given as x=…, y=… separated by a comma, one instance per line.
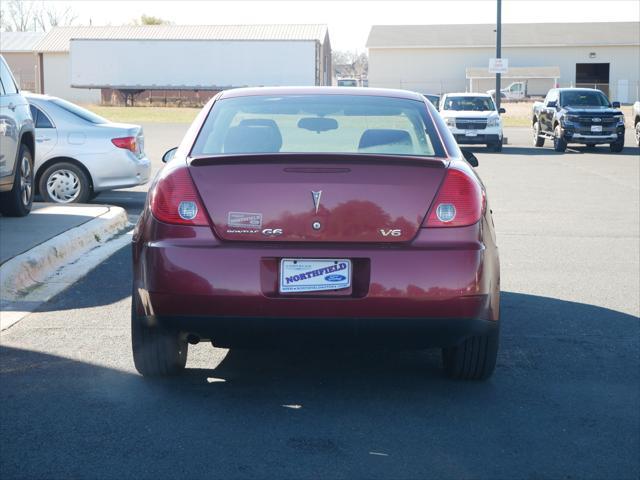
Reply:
x=578, y=115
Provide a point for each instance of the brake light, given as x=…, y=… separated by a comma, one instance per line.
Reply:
x=128, y=143
x=460, y=201
x=174, y=199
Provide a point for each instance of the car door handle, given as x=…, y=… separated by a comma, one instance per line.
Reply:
x=12, y=107
x=42, y=140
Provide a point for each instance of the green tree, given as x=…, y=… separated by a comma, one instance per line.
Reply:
x=151, y=20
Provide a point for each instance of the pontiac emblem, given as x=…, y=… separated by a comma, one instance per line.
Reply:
x=316, y=199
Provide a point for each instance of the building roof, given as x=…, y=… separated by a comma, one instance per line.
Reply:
x=16, y=42
x=513, y=35
x=57, y=40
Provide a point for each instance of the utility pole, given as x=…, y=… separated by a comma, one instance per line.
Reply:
x=498, y=49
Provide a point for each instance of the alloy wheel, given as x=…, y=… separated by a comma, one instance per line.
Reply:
x=26, y=181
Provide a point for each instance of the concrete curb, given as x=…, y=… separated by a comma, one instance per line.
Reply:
x=27, y=271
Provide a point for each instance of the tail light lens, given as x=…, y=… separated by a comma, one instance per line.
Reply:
x=174, y=199
x=128, y=143
x=460, y=201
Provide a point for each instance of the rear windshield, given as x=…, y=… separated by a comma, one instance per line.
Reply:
x=583, y=98
x=478, y=104
x=79, y=112
x=318, y=123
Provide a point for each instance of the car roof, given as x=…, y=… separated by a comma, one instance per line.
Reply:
x=468, y=94
x=578, y=89
x=351, y=91
x=38, y=96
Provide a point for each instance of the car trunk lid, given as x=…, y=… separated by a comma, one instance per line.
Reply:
x=317, y=198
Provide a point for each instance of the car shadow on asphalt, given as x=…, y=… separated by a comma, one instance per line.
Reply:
x=131, y=200
x=566, y=381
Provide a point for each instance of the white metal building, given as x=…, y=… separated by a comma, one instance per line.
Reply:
x=77, y=62
x=438, y=58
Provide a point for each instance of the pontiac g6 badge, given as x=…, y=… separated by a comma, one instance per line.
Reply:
x=316, y=199
x=272, y=232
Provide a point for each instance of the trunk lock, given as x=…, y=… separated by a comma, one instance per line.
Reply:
x=316, y=225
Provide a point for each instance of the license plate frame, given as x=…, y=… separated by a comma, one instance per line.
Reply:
x=471, y=133
x=596, y=128
x=319, y=275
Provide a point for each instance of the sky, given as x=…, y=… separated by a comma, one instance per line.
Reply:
x=350, y=21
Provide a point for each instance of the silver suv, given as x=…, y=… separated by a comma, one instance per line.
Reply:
x=17, y=147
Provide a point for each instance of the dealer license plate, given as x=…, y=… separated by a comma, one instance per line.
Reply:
x=596, y=128
x=314, y=275
x=470, y=133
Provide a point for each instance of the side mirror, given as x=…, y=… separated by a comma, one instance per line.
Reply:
x=615, y=104
x=169, y=154
x=470, y=157
x=502, y=110
x=552, y=104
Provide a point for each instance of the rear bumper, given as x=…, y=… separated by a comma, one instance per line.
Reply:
x=117, y=169
x=283, y=332
x=440, y=284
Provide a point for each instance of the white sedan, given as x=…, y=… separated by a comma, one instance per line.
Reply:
x=79, y=154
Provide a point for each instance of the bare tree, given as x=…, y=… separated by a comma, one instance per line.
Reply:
x=17, y=16
x=48, y=16
x=22, y=15
x=351, y=64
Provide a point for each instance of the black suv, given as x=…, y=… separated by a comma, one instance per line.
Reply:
x=17, y=148
x=578, y=115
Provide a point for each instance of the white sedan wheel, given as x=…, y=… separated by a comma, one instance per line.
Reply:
x=63, y=186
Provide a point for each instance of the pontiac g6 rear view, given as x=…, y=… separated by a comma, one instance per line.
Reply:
x=317, y=215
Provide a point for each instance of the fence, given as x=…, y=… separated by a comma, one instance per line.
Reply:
x=625, y=92
x=26, y=80
x=158, y=98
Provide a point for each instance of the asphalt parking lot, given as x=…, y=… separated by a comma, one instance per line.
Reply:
x=563, y=402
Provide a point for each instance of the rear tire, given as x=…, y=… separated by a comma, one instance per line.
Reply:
x=64, y=182
x=156, y=352
x=538, y=141
x=638, y=133
x=473, y=359
x=559, y=143
x=616, y=147
x=18, y=201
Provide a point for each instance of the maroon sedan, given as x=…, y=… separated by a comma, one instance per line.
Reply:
x=291, y=216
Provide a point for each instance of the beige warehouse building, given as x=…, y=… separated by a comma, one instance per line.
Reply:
x=446, y=58
x=17, y=48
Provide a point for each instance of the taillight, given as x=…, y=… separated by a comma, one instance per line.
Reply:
x=459, y=202
x=128, y=143
x=174, y=199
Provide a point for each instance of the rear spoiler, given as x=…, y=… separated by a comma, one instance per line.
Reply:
x=314, y=158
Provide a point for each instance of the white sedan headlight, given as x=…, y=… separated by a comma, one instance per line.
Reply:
x=493, y=122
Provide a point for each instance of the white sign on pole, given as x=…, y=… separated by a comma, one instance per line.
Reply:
x=498, y=65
